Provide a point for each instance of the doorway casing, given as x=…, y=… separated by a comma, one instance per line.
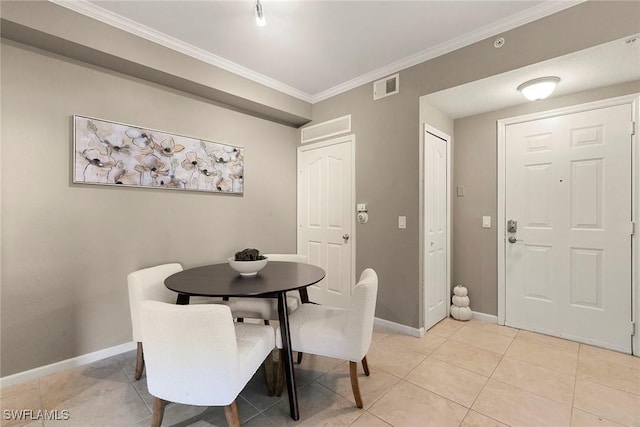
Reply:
x=423, y=220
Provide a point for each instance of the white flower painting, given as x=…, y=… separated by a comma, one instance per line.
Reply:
x=111, y=153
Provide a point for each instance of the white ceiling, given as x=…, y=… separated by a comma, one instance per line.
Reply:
x=316, y=49
x=610, y=63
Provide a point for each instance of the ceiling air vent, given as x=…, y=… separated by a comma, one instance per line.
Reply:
x=385, y=87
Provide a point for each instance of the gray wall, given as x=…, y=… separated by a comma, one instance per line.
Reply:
x=434, y=117
x=67, y=249
x=475, y=249
x=387, y=177
x=387, y=138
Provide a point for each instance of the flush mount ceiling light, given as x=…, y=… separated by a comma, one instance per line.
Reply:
x=537, y=89
x=260, y=21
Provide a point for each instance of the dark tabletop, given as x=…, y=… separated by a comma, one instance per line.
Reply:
x=220, y=280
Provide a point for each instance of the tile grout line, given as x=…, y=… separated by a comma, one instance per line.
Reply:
x=537, y=366
x=259, y=412
x=605, y=386
x=502, y=356
x=384, y=393
x=348, y=397
x=575, y=382
x=138, y=393
x=438, y=394
x=401, y=379
x=465, y=369
x=605, y=361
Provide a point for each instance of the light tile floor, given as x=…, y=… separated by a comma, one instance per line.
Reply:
x=459, y=374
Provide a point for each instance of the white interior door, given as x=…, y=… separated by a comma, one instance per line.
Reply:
x=568, y=263
x=435, y=208
x=325, y=217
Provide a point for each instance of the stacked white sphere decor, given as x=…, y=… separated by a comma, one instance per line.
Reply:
x=460, y=309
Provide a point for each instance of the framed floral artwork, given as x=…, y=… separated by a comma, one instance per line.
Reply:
x=110, y=153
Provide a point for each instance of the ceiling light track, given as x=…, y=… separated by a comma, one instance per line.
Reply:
x=260, y=21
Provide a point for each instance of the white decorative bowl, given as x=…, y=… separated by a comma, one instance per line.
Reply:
x=247, y=268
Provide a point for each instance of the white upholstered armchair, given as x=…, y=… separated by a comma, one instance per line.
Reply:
x=147, y=284
x=336, y=332
x=197, y=355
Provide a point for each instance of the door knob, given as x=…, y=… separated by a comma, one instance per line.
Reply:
x=345, y=237
x=512, y=239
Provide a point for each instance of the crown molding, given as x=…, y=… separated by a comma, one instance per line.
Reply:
x=107, y=17
x=545, y=9
x=98, y=13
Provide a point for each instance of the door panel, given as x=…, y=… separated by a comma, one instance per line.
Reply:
x=568, y=184
x=435, y=208
x=325, y=209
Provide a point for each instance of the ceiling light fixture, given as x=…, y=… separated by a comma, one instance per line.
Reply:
x=260, y=21
x=537, y=89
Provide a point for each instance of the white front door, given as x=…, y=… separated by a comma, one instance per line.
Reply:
x=568, y=258
x=436, y=286
x=325, y=216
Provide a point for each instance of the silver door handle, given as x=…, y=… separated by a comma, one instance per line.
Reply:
x=346, y=237
x=512, y=239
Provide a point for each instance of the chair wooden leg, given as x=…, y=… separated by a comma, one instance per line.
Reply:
x=139, y=362
x=279, y=374
x=231, y=413
x=353, y=371
x=300, y=357
x=365, y=366
x=269, y=374
x=158, y=411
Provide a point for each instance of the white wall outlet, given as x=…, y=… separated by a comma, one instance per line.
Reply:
x=402, y=222
x=486, y=222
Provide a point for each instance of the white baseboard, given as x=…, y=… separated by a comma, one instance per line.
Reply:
x=407, y=330
x=486, y=317
x=84, y=359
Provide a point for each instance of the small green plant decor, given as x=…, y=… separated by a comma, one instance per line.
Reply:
x=249, y=255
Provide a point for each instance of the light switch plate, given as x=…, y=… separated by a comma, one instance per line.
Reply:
x=486, y=222
x=460, y=190
x=402, y=222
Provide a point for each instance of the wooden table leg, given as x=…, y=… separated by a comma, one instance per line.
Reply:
x=288, y=356
x=182, y=299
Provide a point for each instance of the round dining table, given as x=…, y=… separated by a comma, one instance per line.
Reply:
x=273, y=281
